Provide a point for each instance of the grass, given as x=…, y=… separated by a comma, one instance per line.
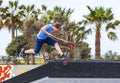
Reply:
x=38, y=61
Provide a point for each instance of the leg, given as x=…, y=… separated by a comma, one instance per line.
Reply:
x=57, y=47
x=39, y=44
x=37, y=48
x=30, y=51
x=54, y=43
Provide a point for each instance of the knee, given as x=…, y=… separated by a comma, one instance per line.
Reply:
x=55, y=44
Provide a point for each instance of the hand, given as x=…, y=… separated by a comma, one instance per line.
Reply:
x=50, y=35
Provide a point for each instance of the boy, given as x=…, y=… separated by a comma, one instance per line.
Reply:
x=44, y=36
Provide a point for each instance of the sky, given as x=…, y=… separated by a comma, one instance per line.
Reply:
x=80, y=9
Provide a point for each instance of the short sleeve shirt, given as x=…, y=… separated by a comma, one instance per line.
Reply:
x=42, y=35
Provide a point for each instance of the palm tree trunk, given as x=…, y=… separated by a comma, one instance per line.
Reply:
x=13, y=27
x=97, y=44
x=13, y=32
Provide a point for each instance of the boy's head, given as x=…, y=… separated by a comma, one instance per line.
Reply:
x=56, y=26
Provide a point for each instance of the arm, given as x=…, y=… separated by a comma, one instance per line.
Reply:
x=44, y=30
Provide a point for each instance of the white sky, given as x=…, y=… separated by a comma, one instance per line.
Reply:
x=80, y=9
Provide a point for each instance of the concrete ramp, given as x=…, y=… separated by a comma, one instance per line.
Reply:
x=90, y=70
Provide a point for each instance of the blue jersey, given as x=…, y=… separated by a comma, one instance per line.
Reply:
x=42, y=35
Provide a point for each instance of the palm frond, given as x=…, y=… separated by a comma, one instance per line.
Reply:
x=1, y=24
x=112, y=25
x=7, y=23
x=22, y=7
x=117, y=22
x=11, y=4
x=44, y=7
x=15, y=4
x=112, y=36
x=1, y=2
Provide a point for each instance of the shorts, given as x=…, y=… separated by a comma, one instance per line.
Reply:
x=40, y=42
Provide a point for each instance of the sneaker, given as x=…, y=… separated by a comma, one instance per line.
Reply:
x=21, y=52
x=64, y=56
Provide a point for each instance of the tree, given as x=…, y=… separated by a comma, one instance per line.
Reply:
x=29, y=11
x=31, y=28
x=11, y=48
x=13, y=18
x=111, y=56
x=1, y=15
x=78, y=33
x=82, y=51
x=14, y=15
x=98, y=17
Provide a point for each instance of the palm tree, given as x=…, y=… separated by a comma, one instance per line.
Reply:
x=13, y=18
x=58, y=14
x=78, y=33
x=1, y=15
x=15, y=15
x=30, y=11
x=98, y=17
